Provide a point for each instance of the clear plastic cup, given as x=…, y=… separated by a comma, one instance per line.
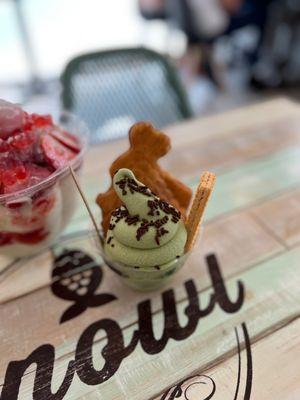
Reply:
x=146, y=279
x=142, y=278
x=31, y=219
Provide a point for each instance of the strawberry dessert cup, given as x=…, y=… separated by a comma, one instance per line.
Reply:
x=37, y=195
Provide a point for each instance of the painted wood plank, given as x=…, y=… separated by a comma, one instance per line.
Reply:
x=246, y=134
x=238, y=188
x=244, y=138
x=25, y=276
x=272, y=300
x=269, y=304
x=281, y=217
x=275, y=126
x=280, y=349
x=201, y=130
x=250, y=247
x=239, y=119
x=221, y=152
x=254, y=182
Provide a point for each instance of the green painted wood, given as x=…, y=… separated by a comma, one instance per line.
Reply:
x=280, y=348
x=272, y=299
x=235, y=189
x=255, y=181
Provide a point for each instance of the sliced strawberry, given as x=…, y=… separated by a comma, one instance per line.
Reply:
x=27, y=122
x=56, y=154
x=14, y=179
x=16, y=204
x=66, y=139
x=37, y=174
x=9, y=178
x=31, y=121
x=4, y=146
x=41, y=120
x=44, y=204
x=16, y=176
x=6, y=238
x=22, y=140
x=11, y=118
x=31, y=237
x=21, y=172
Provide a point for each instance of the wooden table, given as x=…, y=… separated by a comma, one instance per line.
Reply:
x=227, y=325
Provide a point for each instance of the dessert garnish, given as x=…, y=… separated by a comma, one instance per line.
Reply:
x=199, y=203
x=147, y=145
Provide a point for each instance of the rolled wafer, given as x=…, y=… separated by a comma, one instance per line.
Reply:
x=200, y=200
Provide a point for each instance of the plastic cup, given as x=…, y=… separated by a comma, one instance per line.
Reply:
x=33, y=218
x=143, y=279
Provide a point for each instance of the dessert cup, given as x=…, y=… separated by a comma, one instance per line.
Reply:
x=144, y=213
x=142, y=278
x=31, y=219
x=146, y=279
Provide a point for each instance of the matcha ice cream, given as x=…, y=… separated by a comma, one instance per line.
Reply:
x=145, y=232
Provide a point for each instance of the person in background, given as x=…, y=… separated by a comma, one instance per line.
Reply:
x=204, y=22
x=278, y=63
x=153, y=9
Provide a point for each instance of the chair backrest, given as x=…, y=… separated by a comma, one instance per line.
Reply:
x=112, y=89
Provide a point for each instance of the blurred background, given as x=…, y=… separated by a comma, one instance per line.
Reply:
x=208, y=56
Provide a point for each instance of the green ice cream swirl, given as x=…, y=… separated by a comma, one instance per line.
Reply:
x=145, y=231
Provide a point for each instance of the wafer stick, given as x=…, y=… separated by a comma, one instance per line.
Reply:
x=200, y=200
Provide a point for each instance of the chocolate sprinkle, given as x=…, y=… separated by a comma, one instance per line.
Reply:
x=132, y=220
x=109, y=239
x=155, y=207
x=157, y=204
x=120, y=213
x=133, y=186
x=160, y=231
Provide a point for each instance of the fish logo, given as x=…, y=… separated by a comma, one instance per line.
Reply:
x=76, y=277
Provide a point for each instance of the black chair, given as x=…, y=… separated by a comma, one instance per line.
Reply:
x=112, y=89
